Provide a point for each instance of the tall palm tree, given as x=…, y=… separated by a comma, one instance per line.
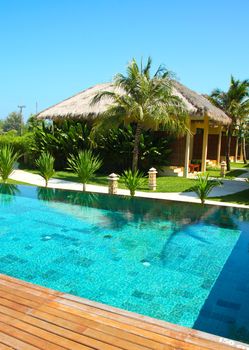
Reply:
x=229, y=101
x=144, y=100
x=241, y=112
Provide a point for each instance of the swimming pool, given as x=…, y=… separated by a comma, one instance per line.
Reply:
x=182, y=263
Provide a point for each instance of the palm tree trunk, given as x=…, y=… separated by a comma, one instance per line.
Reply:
x=243, y=145
x=84, y=187
x=136, y=147
x=228, y=147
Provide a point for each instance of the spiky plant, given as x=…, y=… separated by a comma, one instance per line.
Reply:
x=8, y=157
x=204, y=186
x=84, y=164
x=45, y=165
x=133, y=180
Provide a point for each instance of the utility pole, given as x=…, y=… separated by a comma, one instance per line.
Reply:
x=21, y=108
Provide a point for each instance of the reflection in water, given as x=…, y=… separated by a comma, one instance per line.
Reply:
x=46, y=194
x=7, y=193
x=169, y=254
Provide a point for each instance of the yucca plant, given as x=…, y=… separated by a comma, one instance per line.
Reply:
x=8, y=157
x=84, y=164
x=204, y=186
x=45, y=165
x=133, y=180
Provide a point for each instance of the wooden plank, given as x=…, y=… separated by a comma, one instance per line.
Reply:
x=174, y=330
x=104, y=313
x=56, y=342
x=168, y=338
x=157, y=342
x=15, y=343
x=28, y=338
x=121, y=326
x=7, y=306
x=5, y=347
x=73, y=335
x=174, y=342
x=34, y=317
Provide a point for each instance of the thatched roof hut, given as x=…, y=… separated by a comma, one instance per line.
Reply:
x=79, y=106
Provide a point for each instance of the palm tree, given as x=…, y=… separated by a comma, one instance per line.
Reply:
x=143, y=100
x=237, y=94
x=242, y=118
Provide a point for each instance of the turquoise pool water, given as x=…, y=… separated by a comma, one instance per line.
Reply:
x=157, y=258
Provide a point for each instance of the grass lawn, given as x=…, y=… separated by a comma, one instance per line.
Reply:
x=239, y=165
x=164, y=184
x=239, y=198
x=14, y=182
x=215, y=172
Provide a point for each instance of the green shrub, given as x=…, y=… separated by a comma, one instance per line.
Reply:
x=116, y=148
x=133, y=180
x=84, y=164
x=8, y=157
x=65, y=138
x=20, y=144
x=45, y=165
x=204, y=186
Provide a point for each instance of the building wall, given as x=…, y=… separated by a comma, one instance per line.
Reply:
x=177, y=155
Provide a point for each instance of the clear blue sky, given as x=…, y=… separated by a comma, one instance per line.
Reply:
x=52, y=49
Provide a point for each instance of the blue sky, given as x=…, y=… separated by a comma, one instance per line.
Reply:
x=52, y=49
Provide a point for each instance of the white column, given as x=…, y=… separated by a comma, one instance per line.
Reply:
x=219, y=145
x=204, y=145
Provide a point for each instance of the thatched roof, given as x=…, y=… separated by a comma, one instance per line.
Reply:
x=79, y=106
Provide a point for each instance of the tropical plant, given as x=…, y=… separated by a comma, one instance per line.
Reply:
x=237, y=95
x=84, y=164
x=241, y=112
x=65, y=138
x=133, y=180
x=8, y=157
x=116, y=148
x=143, y=100
x=204, y=186
x=20, y=144
x=45, y=165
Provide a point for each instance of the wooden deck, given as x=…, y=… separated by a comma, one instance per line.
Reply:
x=33, y=317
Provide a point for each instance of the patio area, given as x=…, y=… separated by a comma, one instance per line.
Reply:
x=33, y=317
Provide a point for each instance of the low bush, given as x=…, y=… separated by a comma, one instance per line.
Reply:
x=21, y=144
x=84, y=164
x=8, y=157
x=133, y=180
x=45, y=165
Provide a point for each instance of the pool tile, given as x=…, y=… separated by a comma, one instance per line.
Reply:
x=142, y=295
x=10, y=259
x=83, y=261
